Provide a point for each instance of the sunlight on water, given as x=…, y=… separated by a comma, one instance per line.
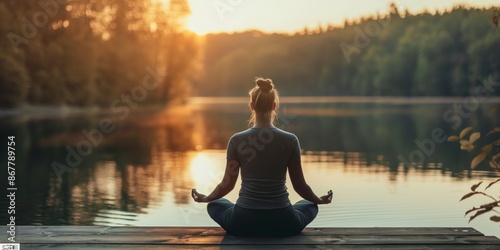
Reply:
x=364, y=196
x=143, y=173
x=205, y=169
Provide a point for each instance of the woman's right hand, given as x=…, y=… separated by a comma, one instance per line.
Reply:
x=198, y=197
x=326, y=199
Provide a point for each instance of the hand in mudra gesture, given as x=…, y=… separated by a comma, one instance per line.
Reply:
x=198, y=197
x=326, y=199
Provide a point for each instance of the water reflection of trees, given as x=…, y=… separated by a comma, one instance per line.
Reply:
x=378, y=133
x=128, y=172
x=146, y=157
x=387, y=135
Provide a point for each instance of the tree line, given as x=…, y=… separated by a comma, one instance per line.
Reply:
x=399, y=54
x=89, y=52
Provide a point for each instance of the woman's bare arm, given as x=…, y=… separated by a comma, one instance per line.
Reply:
x=225, y=186
x=302, y=188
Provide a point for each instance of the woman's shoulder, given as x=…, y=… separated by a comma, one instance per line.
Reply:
x=266, y=132
x=236, y=135
x=284, y=132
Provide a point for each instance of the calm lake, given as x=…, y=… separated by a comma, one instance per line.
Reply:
x=141, y=174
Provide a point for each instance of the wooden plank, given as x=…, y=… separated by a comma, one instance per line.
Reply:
x=249, y=247
x=393, y=231
x=98, y=230
x=232, y=240
x=213, y=231
x=99, y=237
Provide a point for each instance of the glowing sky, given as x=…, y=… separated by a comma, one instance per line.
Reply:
x=293, y=15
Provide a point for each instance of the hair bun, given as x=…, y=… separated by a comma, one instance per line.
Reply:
x=265, y=84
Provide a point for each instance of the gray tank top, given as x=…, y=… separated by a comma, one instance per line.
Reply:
x=263, y=155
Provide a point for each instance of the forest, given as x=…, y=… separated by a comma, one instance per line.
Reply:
x=438, y=54
x=90, y=52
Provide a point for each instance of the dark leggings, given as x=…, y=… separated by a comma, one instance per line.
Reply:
x=240, y=221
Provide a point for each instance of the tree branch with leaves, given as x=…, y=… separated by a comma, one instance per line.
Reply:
x=488, y=151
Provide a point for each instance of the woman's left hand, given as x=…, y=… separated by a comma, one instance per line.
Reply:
x=198, y=197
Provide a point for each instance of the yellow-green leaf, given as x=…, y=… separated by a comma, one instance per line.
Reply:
x=453, y=138
x=473, y=188
x=465, y=142
x=465, y=131
x=474, y=136
x=478, y=213
x=495, y=157
x=495, y=130
x=494, y=165
x=495, y=218
x=492, y=183
x=495, y=110
x=468, y=195
x=487, y=148
x=478, y=159
x=467, y=147
x=471, y=210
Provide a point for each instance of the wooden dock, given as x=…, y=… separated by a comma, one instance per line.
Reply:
x=154, y=238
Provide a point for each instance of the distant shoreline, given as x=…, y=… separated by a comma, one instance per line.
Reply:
x=56, y=111
x=397, y=100
x=61, y=111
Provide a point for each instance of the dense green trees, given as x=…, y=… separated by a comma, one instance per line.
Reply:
x=90, y=52
x=440, y=54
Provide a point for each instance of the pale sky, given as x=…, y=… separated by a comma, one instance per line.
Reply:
x=293, y=15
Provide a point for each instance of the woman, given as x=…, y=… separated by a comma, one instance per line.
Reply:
x=263, y=153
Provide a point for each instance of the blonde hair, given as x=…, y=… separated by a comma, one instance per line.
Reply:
x=263, y=97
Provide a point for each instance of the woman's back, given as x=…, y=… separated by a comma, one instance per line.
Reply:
x=263, y=155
